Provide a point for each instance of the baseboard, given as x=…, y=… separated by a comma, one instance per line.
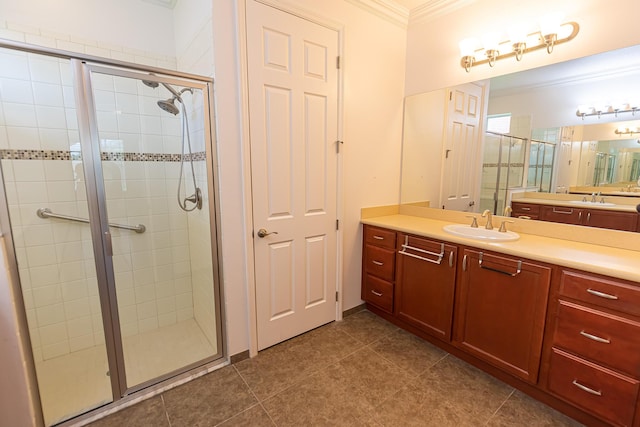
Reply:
x=239, y=357
x=354, y=310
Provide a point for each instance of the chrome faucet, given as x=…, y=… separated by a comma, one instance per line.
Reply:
x=593, y=197
x=489, y=224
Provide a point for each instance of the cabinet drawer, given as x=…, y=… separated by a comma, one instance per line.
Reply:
x=380, y=262
x=598, y=336
x=378, y=292
x=524, y=209
x=563, y=214
x=597, y=390
x=603, y=292
x=380, y=237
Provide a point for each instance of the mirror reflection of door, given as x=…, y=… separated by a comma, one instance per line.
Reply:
x=462, y=144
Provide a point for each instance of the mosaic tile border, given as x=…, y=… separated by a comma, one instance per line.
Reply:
x=495, y=165
x=106, y=156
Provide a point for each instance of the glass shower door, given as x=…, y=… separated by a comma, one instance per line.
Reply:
x=43, y=176
x=154, y=148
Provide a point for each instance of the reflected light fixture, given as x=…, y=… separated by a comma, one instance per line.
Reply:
x=552, y=32
x=627, y=131
x=605, y=109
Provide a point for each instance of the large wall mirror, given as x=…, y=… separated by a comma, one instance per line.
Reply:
x=530, y=136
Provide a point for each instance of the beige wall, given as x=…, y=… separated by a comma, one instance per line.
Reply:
x=433, y=56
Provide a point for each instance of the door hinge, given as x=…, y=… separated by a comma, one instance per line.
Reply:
x=338, y=62
x=336, y=296
x=338, y=144
x=337, y=224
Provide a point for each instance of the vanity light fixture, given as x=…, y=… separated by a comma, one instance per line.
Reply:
x=627, y=131
x=602, y=110
x=550, y=34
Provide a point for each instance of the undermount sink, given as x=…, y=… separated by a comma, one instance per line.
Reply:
x=480, y=233
x=583, y=203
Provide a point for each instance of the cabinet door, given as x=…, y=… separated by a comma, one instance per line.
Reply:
x=500, y=311
x=625, y=221
x=563, y=214
x=425, y=284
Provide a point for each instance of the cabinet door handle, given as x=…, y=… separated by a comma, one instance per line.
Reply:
x=451, y=259
x=378, y=237
x=497, y=270
x=377, y=262
x=588, y=216
x=601, y=294
x=464, y=263
x=569, y=212
x=595, y=337
x=376, y=293
x=580, y=216
x=587, y=389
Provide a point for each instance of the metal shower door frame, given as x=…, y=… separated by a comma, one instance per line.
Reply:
x=101, y=237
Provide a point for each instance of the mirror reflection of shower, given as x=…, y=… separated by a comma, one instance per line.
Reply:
x=169, y=106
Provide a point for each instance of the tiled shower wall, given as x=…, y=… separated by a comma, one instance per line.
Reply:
x=153, y=270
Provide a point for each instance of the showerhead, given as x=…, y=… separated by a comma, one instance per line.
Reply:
x=169, y=106
x=151, y=84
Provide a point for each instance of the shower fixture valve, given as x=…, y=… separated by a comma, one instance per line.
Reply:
x=195, y=198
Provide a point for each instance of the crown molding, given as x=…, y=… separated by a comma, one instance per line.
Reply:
x=385, y=9
x=578, y=78
x=433, y=9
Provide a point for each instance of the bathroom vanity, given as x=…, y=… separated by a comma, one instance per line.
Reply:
x=614, y=216
x=557, y=319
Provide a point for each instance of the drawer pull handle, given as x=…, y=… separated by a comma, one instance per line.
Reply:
x=595, y=337
x=378, y=237
x=377, y=262
x=601, y=294
x=525, y=209
x=376, y=293
x=524, y=217
x=497, y=270
x=587, y=389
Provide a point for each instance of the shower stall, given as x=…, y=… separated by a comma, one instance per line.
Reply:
x=502, y=169
x=109, y=214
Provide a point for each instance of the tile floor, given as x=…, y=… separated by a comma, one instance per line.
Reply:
x=73, y=383
x=362, y=371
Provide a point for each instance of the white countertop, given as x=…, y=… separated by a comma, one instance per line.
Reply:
x=609, y=261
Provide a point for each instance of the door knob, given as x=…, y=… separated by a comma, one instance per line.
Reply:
x=262, y=233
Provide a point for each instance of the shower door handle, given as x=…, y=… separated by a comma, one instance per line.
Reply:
x=108, y=244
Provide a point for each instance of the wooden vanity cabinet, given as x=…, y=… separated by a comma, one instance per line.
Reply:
x=594, y=356
x=625, y=221
x=378, y=267
x=600, y=218
x=425, y=283
x=525, y=210
x=562, y=214
x=500, y=313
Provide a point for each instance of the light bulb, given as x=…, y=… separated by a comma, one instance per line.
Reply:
x=468, y=47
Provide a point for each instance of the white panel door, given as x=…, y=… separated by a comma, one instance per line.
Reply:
x=293, y=96
x=460, y=181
